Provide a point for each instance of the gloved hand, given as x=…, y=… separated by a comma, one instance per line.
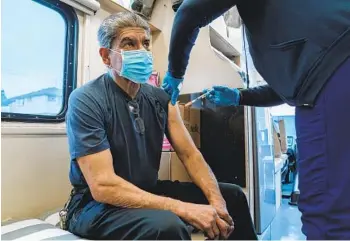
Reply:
x=172, y=86
x=223, y=96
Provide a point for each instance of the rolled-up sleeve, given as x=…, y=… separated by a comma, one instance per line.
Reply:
x=85, y=126
x=190, y=17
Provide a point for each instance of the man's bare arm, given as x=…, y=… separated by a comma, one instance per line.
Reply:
x=199, y=171
x=107, y=187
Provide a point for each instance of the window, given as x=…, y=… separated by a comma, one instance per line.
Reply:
x=39, y=51
x=19, y=102
x=51, y=98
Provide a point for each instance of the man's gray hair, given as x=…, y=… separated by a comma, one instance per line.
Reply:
x=111, y=26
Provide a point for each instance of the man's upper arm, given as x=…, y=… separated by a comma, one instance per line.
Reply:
x=175, y=129
x=85, y=126
x=87, y=139
x=97, y=169
x=178, y=134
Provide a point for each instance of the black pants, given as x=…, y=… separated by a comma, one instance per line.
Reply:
x=93, y=220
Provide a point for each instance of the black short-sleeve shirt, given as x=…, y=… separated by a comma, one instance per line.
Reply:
x=100, y=117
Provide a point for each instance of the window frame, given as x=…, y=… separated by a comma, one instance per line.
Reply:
x=70, y=65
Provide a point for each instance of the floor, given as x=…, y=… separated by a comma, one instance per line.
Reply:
x=287, y=223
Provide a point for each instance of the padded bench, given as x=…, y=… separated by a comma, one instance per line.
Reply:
x=36, y=229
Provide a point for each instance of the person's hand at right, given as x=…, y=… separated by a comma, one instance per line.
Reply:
x=223, y=96
x=203, y=217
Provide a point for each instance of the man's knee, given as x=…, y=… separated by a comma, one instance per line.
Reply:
x=233, y=192
x=153, y=225
x=169, y=226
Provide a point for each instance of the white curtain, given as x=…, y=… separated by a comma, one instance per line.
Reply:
x=86, y=6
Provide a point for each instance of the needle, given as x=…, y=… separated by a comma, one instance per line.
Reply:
x=196, y=99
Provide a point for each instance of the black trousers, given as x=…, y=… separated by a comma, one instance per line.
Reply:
x=93, y=220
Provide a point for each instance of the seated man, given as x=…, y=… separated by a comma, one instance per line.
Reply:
x=115, y=127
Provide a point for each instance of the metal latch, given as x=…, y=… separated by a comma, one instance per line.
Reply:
x=64, y=212
x=63, y=219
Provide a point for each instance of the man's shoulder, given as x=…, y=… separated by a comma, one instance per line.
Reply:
x=157, y=93
x=90, y=91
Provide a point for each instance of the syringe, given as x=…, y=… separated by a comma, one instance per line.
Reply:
x=198, y=98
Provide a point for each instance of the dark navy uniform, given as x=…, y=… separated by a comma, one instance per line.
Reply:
x=301, y=48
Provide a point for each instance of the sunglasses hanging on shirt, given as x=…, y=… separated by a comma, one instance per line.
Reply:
x=139, y=125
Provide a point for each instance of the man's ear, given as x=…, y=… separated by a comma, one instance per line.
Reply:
x=104, y=53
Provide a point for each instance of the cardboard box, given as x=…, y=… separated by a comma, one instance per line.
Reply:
x=164, y=167
x=192, y=119
x=276, y=142
x=177, y=169
x=283, y=136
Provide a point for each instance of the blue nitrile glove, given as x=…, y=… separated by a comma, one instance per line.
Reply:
x=172, y=86
x=223, y=96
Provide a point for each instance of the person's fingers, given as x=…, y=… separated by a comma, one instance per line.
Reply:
x=165, y=85
x=210, y=233
x=167, y=88
x=216, y=100
x=210, y=97
x=216, y=230
x=219, y=88
x=223, y=214
x=227, y=218
x=231, y=230
x=208, y=91
x=174, y=97
x=211, y=228
x=223, y=227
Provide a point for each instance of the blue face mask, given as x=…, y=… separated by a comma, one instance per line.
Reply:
x=137, y=65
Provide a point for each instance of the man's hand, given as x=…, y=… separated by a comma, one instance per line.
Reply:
x=223, y=96
x=203, y=217
x=224, y=220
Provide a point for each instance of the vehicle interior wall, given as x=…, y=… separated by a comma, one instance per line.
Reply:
x=35, y=158
x=35, y=162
